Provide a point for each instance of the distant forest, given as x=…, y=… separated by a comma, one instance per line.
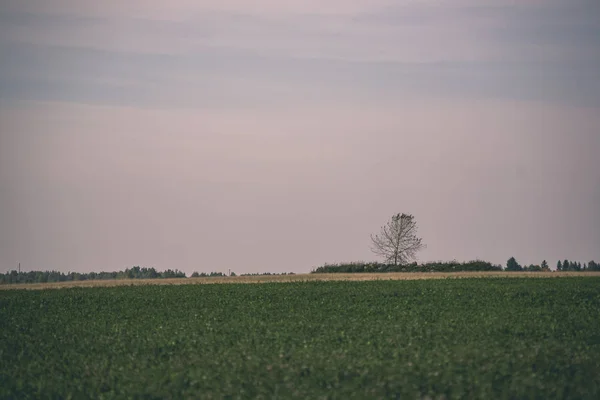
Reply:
x=352, y=267
x=129, y=273
x=57, y=276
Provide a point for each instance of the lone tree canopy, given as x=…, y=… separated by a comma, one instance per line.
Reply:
x=397, y=242
x=513, y=265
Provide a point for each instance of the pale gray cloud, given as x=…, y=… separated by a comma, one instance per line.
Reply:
x=525, y=51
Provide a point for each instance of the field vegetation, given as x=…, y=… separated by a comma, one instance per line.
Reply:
x=447, y=338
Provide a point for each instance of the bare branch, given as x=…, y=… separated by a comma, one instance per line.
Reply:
x=397, y=242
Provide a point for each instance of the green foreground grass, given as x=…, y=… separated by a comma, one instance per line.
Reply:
x=468, y=338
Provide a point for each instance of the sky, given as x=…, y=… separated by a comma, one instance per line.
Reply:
x=276, y=136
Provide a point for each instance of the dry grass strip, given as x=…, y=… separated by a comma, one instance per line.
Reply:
x=298, y=278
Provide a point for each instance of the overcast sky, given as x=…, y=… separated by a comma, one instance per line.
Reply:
x=275, y=135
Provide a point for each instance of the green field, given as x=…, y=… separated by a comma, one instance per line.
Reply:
x=437, y=339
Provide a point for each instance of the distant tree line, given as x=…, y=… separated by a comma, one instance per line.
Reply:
x=566, y=265
x=57, y=276
x=204, y=274
x=129, y=273
x=151, y=273
x=452, y=266
x=513, y=265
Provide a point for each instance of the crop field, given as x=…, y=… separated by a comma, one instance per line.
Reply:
x=488, y=338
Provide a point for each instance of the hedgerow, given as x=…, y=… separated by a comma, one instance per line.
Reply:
x=452, y=266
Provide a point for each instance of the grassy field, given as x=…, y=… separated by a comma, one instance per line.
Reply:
x=300, y=278
x=427, y=339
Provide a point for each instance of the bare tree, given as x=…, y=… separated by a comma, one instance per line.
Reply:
x=397, y=241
